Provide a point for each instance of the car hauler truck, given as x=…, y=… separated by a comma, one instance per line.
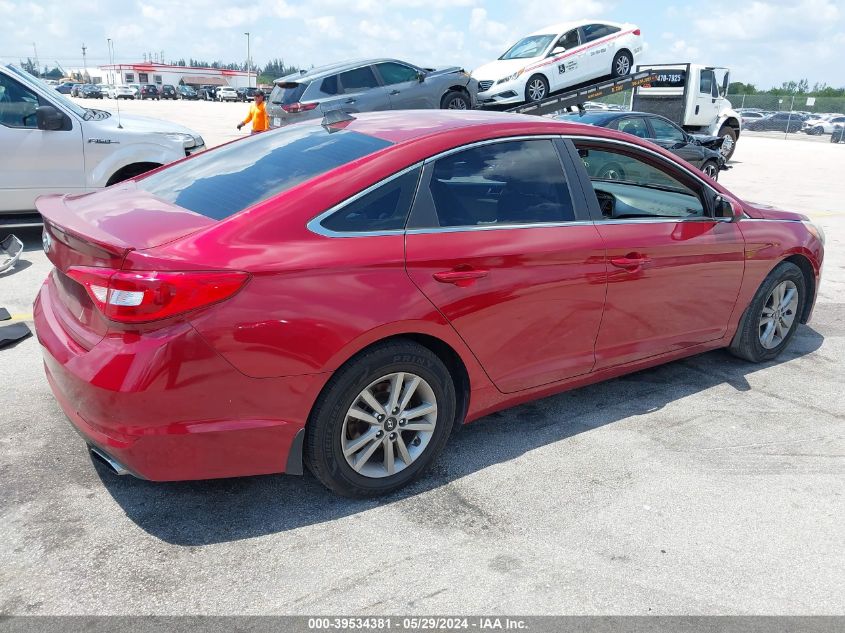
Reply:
x=691, y=95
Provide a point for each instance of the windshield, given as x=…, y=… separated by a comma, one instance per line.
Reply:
x=531, y=46
x=224, y=181
x=58, y=96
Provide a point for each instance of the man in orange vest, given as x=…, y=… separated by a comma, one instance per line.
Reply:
x=257, y=114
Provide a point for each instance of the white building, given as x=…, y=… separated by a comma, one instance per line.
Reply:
x=161, y=74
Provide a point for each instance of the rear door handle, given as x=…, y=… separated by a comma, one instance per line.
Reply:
x=631, y=261
x=460, y=277
x=395, y=92
x=350, y=101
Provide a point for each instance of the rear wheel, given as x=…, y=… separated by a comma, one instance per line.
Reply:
x=729, y=142
x=381, y=420
x=536, y=89
x=455, y=100
x=773, y=316
x=622, y=64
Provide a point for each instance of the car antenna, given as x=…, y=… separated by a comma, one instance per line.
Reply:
x=336, y=116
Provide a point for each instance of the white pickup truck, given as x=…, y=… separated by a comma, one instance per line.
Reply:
x=49, y=144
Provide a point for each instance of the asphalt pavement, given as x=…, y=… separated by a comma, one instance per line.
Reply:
x=705, y=486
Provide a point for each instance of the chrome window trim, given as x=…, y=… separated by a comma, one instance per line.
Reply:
x=496, y=227
x=315, y=226
x=490, y=141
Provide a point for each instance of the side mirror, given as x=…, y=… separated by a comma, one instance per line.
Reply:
x=728, y=208
x=421, y=76
x=48, y=118
x=557, y=50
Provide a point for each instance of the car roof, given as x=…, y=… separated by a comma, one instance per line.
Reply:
x=563, y=27
x=330, y=69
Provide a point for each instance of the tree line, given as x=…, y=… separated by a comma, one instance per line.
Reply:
x=788, y=88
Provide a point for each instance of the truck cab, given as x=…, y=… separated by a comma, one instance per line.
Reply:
x=53, y=145
x=695, y=97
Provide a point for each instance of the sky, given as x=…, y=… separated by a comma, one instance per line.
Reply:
x=764, y=43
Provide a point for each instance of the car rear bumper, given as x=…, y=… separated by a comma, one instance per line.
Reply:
x=167, y=407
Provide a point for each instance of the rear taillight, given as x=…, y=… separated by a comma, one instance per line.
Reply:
x=636, y=31
x=293, y=108
x=142, y=296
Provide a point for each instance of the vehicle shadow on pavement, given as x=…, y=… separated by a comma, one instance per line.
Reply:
x=207, y=512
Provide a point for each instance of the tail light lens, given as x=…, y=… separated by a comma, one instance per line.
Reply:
x=293, y=108
x=143, y=296
x=636, y=31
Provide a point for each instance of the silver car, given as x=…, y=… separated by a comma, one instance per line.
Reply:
x=367, y=86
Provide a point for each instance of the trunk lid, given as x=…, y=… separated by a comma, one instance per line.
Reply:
x=98, y=230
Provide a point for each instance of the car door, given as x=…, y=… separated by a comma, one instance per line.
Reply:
x=501, y=245
x=670, y=136
x=404, y=87
x=361, y=91
x=704, y=98
x=34, y=162
x=567, y=67
x=599, y=49
x=674, y=270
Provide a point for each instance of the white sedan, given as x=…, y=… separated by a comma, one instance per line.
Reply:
x=557, y=57
x=227, y=93
x=121, y=92
x=824, y=124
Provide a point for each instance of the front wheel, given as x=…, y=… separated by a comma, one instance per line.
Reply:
x=455, y=100
x=381, y=420
x=711, y=169
x=728, y=135
x=773, y=316
x=536, y=89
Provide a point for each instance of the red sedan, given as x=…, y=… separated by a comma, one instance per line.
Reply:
x=342, y=295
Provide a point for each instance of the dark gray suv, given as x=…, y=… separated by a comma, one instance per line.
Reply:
x=367, y=86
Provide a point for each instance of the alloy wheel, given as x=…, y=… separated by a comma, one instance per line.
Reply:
x=457, y=104
x=711, y=171
x=389, y=425
x=623, y=66
x=778, y=315
x=536, y=90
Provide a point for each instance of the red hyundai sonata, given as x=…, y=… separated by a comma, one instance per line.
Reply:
x=341, y=295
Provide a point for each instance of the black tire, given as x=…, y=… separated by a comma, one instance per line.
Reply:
x=711, y=169
x=730, y=134
x=623, y=64
x=323, y=442
x=455, y=100
x=746, y=343
x=536, y=88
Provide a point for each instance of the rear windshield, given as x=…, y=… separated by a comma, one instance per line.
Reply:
x=222, y=182
x=287, y=93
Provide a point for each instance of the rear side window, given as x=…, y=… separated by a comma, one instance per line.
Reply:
x=224, y=181
x=513, y=182
x=358, y=79
x=385, y=208
x=329, y=86
x=596, y=31
x=287, y=93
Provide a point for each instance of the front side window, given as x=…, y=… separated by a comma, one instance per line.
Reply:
x=568, y=40
x=512, y=182
x=358, y=80
x=17, y=104
x=527, y=47
x=628, y=186
x=220, y=183
x=382, y=209
x=665, y=131
x=393, y=73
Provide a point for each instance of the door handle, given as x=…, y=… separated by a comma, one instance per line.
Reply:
x=394, y=92
x=350, y=101
x=631, y=261
x=460, y=278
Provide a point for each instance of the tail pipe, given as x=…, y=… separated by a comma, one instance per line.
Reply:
x=108, y=460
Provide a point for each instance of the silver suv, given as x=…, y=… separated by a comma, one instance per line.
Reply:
x=366, y=86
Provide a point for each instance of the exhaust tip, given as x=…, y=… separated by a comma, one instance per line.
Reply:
x=115, y=466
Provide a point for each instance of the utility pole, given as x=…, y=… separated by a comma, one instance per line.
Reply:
x=84, y=64
x=248, y=62
x=37, y=65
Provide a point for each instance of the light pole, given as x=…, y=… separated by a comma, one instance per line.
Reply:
x=248, y=62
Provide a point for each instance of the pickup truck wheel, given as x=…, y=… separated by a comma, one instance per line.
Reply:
x=454, y=100
x=729, y=144
x=711, y=169
x=622, y=64
x=536, y=89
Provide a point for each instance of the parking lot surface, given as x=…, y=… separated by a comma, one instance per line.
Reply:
x=705, y=486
